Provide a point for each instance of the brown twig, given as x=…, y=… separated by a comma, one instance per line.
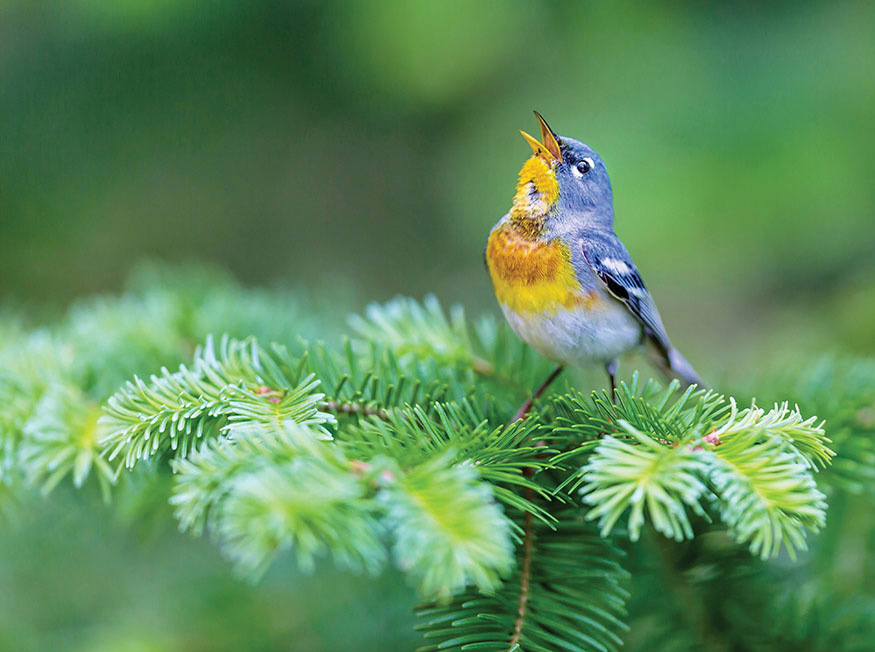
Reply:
x=525, y=579
x=528, y=537
x=525, y=407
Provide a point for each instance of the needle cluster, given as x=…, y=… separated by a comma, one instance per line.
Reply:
x=391, y=446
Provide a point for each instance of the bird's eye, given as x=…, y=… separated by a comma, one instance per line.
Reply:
x=583, y=166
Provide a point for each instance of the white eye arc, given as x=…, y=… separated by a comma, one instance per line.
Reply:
x=583, y=166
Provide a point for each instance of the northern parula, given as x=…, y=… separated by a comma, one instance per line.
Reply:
x=565, y=282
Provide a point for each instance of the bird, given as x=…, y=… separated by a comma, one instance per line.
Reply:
x=565, y=282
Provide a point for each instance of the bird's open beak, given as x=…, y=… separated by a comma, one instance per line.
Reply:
x=548, y=149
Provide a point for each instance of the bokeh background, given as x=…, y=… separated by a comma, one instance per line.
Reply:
x=367, y=148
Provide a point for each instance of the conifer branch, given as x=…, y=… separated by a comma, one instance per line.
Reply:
x=60, y=439
x=649, y=474
x=238, y=382
x=394, y=448
x=449, y=532
x=574, y=599
x=527, y=548
x=525, y=578
x=758, y=464
x=414, y=333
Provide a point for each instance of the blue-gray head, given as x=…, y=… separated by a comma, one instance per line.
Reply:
x=565, y=181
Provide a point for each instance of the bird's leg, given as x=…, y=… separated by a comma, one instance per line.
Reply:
x=611, y=368
x=525, y=407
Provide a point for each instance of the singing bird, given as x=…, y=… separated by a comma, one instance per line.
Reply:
x=565, y=282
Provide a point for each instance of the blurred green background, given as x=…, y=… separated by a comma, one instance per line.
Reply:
x=371, y=146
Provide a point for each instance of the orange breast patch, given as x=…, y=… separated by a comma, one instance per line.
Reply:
x=532, y=276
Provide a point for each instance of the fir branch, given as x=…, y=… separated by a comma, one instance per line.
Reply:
x=579, y=420
x=397, y=440
x=500, y=454
x=307, y=505
x=574, y=599
x=114, y=338
x=804, y=436
x=371, y=377
x=449, y=532
x=29, y=365
x=238, y=383
x=800, y=436
x=525, y=579
x=448, y=529
x=766, y=497
x=202, y=478
x=758, y=464
x=267, y=489
x=761, y=472
x=422, y=334
x=418, y=331
x=60, y=439
x=641, y=473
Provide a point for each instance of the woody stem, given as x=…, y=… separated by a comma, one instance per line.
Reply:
x=525, y=579
x=525, y=407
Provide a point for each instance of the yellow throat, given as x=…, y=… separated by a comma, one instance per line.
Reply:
x=532, y=274
x=536, y=193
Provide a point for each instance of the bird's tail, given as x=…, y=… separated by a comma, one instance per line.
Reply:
x=674, y=365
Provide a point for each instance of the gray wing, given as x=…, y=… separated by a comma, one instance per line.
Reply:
x=611, y=263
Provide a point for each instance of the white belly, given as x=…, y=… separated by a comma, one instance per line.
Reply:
x=579, y=336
